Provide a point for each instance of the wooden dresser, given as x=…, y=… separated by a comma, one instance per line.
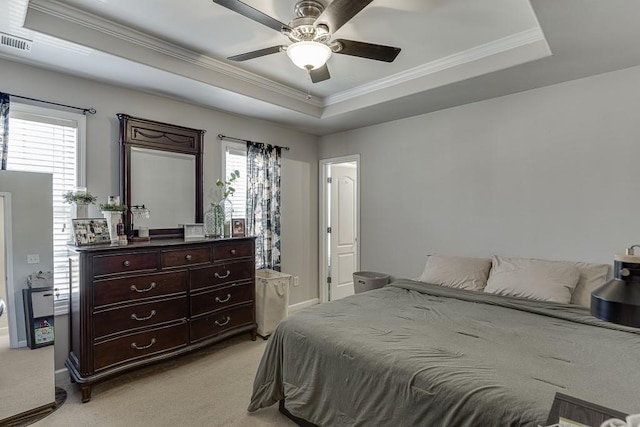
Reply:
x=145, y=302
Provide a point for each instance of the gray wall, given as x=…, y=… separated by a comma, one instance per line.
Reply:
x=299, y=166
x=31, y=231
x=549, y=173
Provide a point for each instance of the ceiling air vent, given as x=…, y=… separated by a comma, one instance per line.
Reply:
x=15, y=42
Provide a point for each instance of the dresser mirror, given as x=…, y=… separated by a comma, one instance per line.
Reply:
x=160, y=168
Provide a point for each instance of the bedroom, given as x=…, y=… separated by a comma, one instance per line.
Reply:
x=539, y=173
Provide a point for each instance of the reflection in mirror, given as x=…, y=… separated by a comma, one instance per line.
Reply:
x=164, y=183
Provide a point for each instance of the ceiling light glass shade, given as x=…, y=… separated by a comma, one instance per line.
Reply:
x=309, y=55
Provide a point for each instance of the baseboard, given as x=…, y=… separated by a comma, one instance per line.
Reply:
x=61, y=375
x=304, y=304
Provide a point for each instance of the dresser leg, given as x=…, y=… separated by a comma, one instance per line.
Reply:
x=86, y=392
x=254, y=334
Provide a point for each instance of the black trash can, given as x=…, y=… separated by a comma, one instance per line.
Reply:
x=367, y=280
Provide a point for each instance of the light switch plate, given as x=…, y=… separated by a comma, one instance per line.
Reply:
x=296, y=280
x=33, y=259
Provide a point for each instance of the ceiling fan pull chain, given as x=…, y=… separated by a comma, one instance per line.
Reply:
x=309, y=84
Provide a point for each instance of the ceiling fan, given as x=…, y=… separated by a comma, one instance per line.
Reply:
x=310, y=32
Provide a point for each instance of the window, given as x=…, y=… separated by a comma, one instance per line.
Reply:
x=235, y=158
x=50, y=141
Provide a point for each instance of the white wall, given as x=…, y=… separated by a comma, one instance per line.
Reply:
x=549, y=173
x=299, y=165
x=31, y=231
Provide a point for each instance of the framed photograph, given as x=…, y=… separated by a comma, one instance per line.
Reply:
x=193, y=231
x=572, y=412
x=237, y=227
x=90, y=231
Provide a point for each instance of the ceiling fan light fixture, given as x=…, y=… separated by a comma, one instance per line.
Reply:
x=309, y=55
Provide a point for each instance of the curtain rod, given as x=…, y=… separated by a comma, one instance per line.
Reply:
x=90, y=110
x=230, y=138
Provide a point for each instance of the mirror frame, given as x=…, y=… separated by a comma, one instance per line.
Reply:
x=153, y=135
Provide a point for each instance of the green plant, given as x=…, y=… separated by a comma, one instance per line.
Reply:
x=113, y=207
x=79, y=197
x=225, y=186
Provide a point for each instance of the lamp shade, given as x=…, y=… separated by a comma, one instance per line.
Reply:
x=618, y=300
x=309, y=55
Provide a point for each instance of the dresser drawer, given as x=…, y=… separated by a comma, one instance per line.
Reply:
x=230, y=250
x=183, y=257
x=137, y=316
x=124, y=263
x=133, y=288
x=220, y=298
x=219, y=274
x=140, y=345
x=213, y=324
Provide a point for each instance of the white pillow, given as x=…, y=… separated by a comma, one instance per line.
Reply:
x=456, y=272
x=532, y=278
x=592, y=276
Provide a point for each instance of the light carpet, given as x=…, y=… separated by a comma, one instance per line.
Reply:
x=210, y=387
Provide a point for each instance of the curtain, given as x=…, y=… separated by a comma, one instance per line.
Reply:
x=263, y=202
x=4, y=127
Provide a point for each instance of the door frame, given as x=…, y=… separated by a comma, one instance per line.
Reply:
x=12, y=319
x=323, y=261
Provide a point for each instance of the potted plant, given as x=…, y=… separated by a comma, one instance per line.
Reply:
x=112, y=211
x=81, y=198
x=217, y=220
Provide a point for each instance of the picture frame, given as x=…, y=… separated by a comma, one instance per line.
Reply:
x=571, y=411
x=193, y=231
x=90, y=231
x=238, y=227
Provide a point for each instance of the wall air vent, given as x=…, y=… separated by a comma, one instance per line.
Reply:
x=15, y=42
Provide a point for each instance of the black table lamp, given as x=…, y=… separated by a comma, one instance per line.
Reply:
x=618, y=300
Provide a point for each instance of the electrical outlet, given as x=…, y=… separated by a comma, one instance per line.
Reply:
x=33, y=259
x=296, y=281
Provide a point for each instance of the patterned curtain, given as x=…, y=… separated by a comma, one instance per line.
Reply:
x=4, y=127
x=263, y=202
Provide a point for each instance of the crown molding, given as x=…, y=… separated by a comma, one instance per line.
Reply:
x=494, y=47
x=93, y=22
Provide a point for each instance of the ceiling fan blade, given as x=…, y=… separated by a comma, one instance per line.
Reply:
x=257, y=53
x=254, y=14
x=339, y=12
x=377, y=52
x=320, y=74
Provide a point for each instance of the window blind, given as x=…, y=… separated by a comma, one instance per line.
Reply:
x=236, y=159
x=44, y=144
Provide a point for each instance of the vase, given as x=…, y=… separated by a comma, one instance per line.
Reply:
x=112, y=218
x=227, y=208
x=214, y=221
x=82, y=210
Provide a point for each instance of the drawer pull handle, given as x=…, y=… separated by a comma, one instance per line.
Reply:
x=151, y=286
x=126, y=263
x=222, y=277
x=223, y=300
x=143, y=347
x=188, y=257
x=140, y=319
x=223, y=323
x=232, y=251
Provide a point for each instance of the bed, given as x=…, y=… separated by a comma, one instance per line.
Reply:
x=414, y=353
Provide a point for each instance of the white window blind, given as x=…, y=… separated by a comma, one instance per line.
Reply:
x=49, y=144
x=236, y=159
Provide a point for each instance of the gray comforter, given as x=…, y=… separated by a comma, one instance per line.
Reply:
x=412, y=354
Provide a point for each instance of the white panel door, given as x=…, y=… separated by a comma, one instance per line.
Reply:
x=343, y=223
